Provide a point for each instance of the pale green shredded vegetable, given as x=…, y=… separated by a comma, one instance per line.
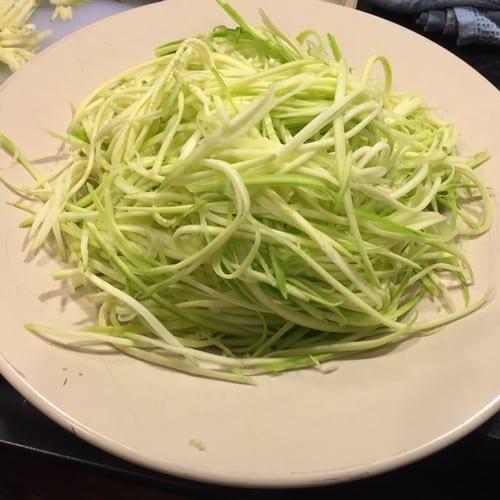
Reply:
x=19, y=39
x=63, y=9
x=244, y=203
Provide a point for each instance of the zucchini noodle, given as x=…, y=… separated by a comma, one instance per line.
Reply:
x=244, y=203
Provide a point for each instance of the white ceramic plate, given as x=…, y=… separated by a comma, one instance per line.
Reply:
x=302, y=428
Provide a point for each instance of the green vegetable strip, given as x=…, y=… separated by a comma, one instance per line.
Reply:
x=244, y=203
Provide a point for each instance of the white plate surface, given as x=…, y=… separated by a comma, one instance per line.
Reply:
x=302, y=428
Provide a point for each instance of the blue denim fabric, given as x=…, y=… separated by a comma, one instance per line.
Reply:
x=471, y=21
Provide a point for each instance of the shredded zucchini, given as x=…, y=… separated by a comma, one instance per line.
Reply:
x=19, y=39
x=244, y=203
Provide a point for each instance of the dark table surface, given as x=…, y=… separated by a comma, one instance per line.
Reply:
x=41, y=460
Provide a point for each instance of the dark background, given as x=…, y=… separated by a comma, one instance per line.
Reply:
x=39, y=460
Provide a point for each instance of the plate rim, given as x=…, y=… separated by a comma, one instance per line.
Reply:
x=314, y=478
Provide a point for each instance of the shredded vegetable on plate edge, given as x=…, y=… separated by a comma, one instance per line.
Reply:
x=243, y=203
